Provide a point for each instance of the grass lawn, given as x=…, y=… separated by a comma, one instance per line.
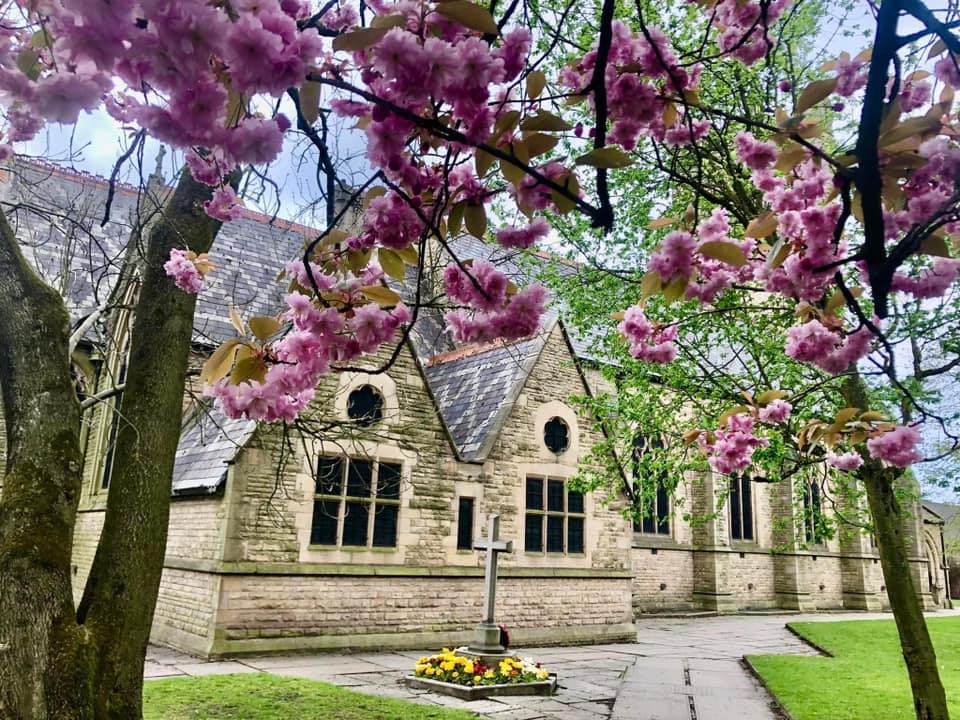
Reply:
x=268, y=697
x=867, y=678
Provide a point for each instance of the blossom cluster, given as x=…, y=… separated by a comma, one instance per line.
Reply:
x=450, y=667
x=648, y=342
x=730, y=449
x=187, y=269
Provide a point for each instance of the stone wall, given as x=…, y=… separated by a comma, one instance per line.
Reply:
x=186, y=609
x=260, y=613
x=662, y=579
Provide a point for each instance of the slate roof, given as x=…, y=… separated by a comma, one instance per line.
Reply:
x=475, y=389
x=56, y=214
x=207, y=446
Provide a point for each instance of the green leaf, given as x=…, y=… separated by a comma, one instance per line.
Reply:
x=358, y=260
x=28, y=60
x=724, y=252
x=769, y=396
x=538, y=143
x=392, y=264
x=455, y=218
x=248, y=368
x=359, y=39
x=409, y=255
x=606, y=157
x=470, y=15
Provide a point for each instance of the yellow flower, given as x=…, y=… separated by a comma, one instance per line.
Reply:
x=428, y=671
x=447, y=665
x=489, y=674
x=468, y=667
x=542, y=675
x=455, y=675
x=477, y=679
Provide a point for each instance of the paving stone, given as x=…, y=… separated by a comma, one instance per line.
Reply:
x=215, y=668
x=652, y=708
x=154, y=670
x=515, y=713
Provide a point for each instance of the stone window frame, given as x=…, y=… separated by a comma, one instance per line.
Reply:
x=811, y=512
x=744, y=481
x=661, y=530
x=544, y=414
x=373, y=501
x=473, y=522
x=382, y=383
x=545, y=513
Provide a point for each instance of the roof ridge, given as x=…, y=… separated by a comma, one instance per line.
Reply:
x=472, y=349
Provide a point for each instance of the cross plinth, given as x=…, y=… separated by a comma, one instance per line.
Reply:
x=486, y=639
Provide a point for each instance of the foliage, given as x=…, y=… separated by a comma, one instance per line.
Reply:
x=268, y=697
x=866, y=679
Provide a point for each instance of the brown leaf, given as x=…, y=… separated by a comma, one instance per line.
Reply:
x=762, y=226
x=483, y=161
x=845, y=415
x=915, y=126
x=934, y=245
x=606, y=157
x=536, y=82
x=475, y=217
x=815, y=92
x=538, y=143
x=236, y=320
x=220, y=362
x=724, y=251
x=310, y=101
x=661, y=223
x=651, y=284
x=547, y=121
x=392, y=263
x=837, y=300
x=674, y=289
x=791, y=156
x=381, y=295
x=470, y=15
x=358, y=39
x=263, y=327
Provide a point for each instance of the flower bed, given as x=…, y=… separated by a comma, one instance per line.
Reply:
x=475, y=678
x=450, y=667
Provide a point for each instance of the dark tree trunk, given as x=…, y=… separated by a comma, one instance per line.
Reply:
x=129, y=558
x=929, y=699
x=58, y=662
x=45, y=658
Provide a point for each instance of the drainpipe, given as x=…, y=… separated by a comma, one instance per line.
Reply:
x=946, y=569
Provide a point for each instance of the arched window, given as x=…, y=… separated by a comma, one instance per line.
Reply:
x=741, y=508
x=365, y=406
x=556, y=435
x=651, y=496
x=813, y=520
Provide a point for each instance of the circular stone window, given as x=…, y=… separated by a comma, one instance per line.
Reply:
x=365, y=406
x=556, y=435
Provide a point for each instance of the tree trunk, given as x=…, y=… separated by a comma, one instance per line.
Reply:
x=129, y=559
x=58, y=662
x=929, y=699
x=45, y=658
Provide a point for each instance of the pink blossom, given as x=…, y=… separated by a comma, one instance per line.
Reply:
x=61, y=97
x=851, y=75
x=341, y=17
x=847, y=461
x=257, y=141
x=897, y=447
x=733, y=447
x=648, y=342
x=184, y=272
x=776, y=412
x=674, y=256
x=523, y=237
x=224, y=205
x=754, y=154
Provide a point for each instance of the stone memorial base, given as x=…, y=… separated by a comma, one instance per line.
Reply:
x=479, y=692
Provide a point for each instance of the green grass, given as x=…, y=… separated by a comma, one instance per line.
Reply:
x=268, y=697
x=866, y=679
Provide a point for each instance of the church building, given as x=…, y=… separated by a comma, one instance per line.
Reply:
x=355, y=529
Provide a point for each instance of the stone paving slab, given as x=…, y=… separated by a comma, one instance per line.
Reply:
x=679, y=669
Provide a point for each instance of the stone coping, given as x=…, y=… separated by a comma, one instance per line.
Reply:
x=479, y=692
x=384, y=570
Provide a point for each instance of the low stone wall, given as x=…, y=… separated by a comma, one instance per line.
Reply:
x=260, y=613
x=186, y=606
x=662, y=579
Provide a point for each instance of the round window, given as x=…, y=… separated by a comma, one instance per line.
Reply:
x=365, y=406
x=556, y=435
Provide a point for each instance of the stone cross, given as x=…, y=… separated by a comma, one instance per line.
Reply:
x=487, y=635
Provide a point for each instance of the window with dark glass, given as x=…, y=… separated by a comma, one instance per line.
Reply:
x=813, y=513
x=556, y=435
x=115, y=418
x=554, y=521
x=357, y=502
x=365, y=406
x=651, y=495
x=741, y=508
x=465, y=524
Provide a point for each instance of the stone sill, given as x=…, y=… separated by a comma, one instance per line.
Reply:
x=368, y=569
x=479, y=692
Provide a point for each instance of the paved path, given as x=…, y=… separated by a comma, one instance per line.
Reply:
x=679, y=669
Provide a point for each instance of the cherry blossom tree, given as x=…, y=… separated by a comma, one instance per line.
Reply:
x=457, y=113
